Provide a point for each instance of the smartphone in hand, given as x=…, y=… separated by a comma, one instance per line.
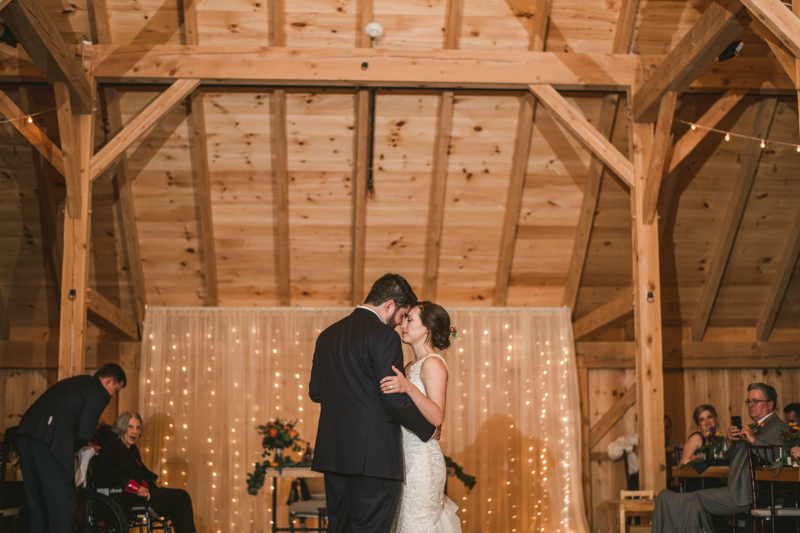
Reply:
x=736, y=421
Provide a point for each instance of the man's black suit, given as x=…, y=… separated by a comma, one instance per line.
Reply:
x=58, y=423
x=359, y=443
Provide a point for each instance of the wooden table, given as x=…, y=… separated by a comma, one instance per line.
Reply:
x=787, y=473
x=289, y=472
x=688, y=472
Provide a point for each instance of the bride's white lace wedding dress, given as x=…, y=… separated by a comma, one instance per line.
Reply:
x=424, y=508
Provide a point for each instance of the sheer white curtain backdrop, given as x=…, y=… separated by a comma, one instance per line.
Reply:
x=210, y=376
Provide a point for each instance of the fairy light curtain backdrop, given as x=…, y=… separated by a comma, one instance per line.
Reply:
x=210, y=376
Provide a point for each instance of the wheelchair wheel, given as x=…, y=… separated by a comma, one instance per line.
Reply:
x=99, y=514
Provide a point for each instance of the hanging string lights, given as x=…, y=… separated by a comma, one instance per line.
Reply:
x=728, y=134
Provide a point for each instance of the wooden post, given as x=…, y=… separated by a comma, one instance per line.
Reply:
x=360, y=176
x=647, y=323
x=586, y=463
x=76, y=145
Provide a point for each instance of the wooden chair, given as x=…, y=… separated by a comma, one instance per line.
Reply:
x=635, y=503
x=761, y=456
x=315, y=508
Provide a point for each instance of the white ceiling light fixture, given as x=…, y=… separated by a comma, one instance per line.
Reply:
x=374, y=30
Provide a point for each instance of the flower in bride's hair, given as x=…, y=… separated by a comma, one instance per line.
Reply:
x=453, y=332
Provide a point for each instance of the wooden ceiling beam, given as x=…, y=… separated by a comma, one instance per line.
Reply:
x=780, y=21
x=607, y=316
x=694, y=53
x=591, y=195
x=123, y=174
x=436, y=199
x=41, y=355
x=38, y=139
x=733, y=216
x=541, y=19
x=594, y=177
x=362, y=149
x=140, y=125
x=42, y=42
x=202, y=189
x=109, y=316
x=516, y=184
x=780, y=282
x=584, y=132
x=661, y=142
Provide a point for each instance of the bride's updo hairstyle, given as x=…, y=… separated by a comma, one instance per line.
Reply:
x=436, y=319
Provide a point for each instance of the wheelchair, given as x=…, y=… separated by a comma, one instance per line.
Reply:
x=98, y=512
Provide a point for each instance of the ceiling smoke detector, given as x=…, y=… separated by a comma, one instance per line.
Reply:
x=374, y=30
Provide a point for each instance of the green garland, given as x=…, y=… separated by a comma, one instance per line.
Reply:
x=255, y=479
x=466, y=479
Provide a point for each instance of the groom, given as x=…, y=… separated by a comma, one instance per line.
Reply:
x=359, y=445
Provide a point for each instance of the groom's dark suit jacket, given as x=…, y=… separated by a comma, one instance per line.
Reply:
x=359, y=426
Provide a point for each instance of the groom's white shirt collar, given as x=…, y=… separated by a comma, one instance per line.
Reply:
x=369, y=309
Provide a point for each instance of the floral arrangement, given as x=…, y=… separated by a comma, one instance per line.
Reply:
x=791, y=439
x=277, y=435
x=713, y=442
x=453, y=332
x=466, y=479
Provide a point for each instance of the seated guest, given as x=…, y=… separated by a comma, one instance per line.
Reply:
x=705, y=416
x=119, y=465
x=790, y=413
x=688, y=512
x=670, y=444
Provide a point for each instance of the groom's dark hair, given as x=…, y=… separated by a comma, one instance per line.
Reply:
x=391, y=287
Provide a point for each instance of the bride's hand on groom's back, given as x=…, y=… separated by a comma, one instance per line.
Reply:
x=396, y=383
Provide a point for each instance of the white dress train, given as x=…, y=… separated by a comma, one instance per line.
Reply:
x=424, y=508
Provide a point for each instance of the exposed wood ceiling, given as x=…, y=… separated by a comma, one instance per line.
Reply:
x=273, y=221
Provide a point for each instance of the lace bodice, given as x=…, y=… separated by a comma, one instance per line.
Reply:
x=423, y=492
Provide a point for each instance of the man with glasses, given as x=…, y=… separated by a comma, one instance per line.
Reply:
x=688, y=512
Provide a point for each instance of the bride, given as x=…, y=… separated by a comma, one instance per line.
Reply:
x=424, y=508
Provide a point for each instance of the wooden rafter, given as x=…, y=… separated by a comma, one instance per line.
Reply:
x=780, y=282
x=607, y=316
x=38, y=139
x=140, y=125
x=363, y=17
x=733, y=217
x=109, y=316
x=541, y=19
x=647, y=320
x=280, y=167
x=694, y=355
x=280, y=196
x=694, y=53
x=780, y=21
x=202, y=189
x=453, y=21
x=123, y=174
x=43, y=355
x=360, y=175
x=516, y=184
x=594, y=177
x=783, y=54
x=607, y=421
x=188, y=11
x=661, y=141
x=436, y=201
x=76, y=143
x=584, y=132
x=42, y=42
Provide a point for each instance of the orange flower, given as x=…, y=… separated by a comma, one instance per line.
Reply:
x=273, y=432
x=273, y=464
x=293, y=433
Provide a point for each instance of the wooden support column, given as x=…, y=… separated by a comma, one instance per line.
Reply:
x=586, y=461
x=782, y=54
x=661, y=142
x=647, y=323
x=516, y=184
x=109, y=316
x=360, y=176
x=733, y=216
x=780, y=283
x=781, y=21
x=441, y=151
x=76, y=144
x=5, y=329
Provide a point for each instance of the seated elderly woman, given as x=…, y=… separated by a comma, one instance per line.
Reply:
x=705, y=416
x=119, y=465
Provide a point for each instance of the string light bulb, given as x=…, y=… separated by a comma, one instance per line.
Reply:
x=763, y=144
x=727, y=136
x=30, y=119
x=694, y=127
